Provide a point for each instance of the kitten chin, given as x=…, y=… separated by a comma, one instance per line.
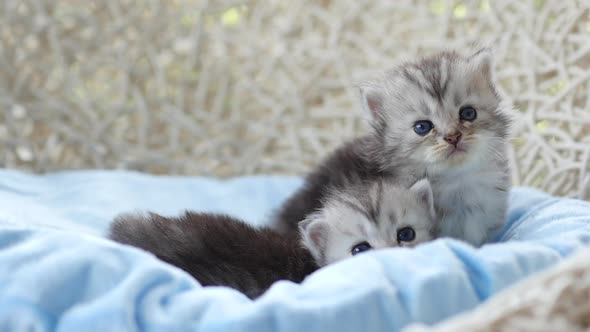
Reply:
x=440, y=116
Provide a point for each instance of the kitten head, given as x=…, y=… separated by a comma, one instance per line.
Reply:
x=374, y=215
x=441, y=111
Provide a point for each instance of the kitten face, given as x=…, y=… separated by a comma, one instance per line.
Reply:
x=372, y=216
x=442, y=111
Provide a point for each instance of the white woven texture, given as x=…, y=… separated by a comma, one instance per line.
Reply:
x=267, y=87
x=555, y=300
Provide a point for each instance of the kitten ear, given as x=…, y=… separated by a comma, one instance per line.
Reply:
x=314, y=235
x=372, y=100
x=423, y=191
x=482, y=61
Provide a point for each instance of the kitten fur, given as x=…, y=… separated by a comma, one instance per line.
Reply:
x=373, y=212
x=470, y=181
x=217, y=249
x=225, y=251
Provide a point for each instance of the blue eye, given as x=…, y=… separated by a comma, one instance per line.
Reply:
x=406, y=234
x=361, y=247
x=467, y=113
x=423, y=127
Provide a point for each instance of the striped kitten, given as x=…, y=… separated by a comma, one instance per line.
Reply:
x=440, y=117
x=225, y=251
x=372, y=215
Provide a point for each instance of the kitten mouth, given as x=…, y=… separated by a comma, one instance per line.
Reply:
x=457, y=151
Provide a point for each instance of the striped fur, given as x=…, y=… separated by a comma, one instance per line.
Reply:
x=470, y=185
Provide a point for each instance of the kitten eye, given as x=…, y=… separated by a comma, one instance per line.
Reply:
x=361, y=247
x=406, y=234
x=467, y=113
x=423, y=127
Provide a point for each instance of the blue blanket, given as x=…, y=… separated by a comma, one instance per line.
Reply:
x=57, y=272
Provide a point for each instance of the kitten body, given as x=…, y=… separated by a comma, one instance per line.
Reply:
x=465, y=160
x=225, y=251
x=217, y=250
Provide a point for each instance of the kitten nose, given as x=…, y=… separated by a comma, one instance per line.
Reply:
x=453, y=138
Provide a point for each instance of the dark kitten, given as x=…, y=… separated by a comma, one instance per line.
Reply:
x=217, y=249
x=225, y=251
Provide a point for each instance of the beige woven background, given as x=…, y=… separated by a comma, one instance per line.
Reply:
x=229, y=88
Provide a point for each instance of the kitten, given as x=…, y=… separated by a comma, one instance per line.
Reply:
x=440, y=117
x=225, y=251
x=372, y=215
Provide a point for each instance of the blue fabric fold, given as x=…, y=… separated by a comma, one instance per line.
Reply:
x=58, y=272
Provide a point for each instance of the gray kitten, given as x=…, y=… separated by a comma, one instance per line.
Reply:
x=440, y=117
x=220, y=250
x=372, y=215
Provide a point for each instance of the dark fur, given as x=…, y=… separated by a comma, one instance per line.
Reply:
x=217, y=249
x=348, y=165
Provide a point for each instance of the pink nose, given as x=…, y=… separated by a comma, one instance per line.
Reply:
x=453, y=138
